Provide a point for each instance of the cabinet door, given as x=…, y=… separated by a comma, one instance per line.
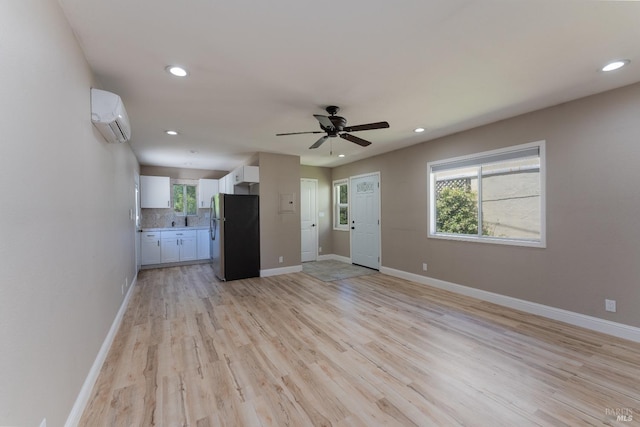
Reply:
x=206, y=189
x=229, y=183
x=246, y=175
x=222, y=185
x=188, y=249
x=170, y=249
x=150, y=249
x=203, y=244
x=155, y=192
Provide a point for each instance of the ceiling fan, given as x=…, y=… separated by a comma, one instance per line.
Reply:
x=334, y=126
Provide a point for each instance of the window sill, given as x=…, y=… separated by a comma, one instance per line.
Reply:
x=494, y=241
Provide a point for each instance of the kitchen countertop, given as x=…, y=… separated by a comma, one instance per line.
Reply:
x=196, y=227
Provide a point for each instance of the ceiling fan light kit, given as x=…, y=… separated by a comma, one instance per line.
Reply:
x=334, y=126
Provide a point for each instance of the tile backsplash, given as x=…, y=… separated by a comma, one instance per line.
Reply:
x=162, y=218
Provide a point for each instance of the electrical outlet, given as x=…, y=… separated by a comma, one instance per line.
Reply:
x=126, y=282
x=281, y=259
x=610, y=305
x=319, y=248
x=424, y=266
x=122, y=289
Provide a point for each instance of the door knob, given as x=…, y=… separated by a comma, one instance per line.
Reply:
x=313, y=225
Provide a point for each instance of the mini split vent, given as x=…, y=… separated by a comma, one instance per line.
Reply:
x=109, y=116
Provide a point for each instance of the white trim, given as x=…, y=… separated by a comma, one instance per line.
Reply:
x=282, y=270
x=85, y=392
x=334, y=257
x=615, y=329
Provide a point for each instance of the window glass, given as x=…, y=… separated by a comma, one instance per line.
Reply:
x=341, y=205
x=185, y=199
x=496, y=196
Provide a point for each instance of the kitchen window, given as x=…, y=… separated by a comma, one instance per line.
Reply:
x=494, y=197
x=184, y=199
x=341, y=205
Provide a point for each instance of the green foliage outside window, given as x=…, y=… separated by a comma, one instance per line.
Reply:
x=182, y=193
x=457, y=211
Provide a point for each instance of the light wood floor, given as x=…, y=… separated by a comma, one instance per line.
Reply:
x=369, y=351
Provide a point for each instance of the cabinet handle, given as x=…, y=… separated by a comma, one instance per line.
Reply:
x=158, y=242
x=177, y=242
x=180, y=242
x=168, y=203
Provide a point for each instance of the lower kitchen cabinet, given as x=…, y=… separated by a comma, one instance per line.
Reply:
x=150, y=248
x=170, y=249
x=203, y=244
x=159, y=247
x=178, y=246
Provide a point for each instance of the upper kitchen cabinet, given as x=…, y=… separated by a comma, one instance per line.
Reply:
x=226, y=184
x=155, y=192
x=207, y=188
x=246, y=175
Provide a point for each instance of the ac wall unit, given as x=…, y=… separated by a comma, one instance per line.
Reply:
x=109, y=116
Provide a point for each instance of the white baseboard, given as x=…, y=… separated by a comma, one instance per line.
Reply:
x=281, y=270
x=619, y=330
x=85, y=392
x=334, y=257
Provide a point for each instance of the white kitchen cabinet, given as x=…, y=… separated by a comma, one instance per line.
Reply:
x=170, y=249
x=228, y=184
x=178, y=246
x=150, y=248
x=189, y=247
x=155, y=192
x=204, y=246
x=246, y=175
x=222, y=185
x=206, y=189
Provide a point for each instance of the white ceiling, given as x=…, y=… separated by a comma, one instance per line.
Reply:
x=258, y=68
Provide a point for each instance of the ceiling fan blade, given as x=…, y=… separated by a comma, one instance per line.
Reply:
x=324, y=121
x=298, y=133
x=355, y=139
x=319, y=142
x=368, y=126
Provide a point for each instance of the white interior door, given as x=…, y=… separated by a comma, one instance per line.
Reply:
x=365, y=220
x=308, y=221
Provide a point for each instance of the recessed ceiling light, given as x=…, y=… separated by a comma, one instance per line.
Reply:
x=171, y=132
x=615, y=65
x=340, y=155
x=176, y=71
x=418, y=130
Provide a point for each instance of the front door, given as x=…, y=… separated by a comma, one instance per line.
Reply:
x=308, y=221
x=365, y=220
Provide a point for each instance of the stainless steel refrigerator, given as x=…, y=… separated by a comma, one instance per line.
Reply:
x=234, y=231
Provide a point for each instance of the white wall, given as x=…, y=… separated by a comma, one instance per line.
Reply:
x=67, y=241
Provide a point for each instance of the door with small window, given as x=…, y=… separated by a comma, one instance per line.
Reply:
x=365, y=220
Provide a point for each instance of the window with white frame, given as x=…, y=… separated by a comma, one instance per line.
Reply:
x=496, y=196
x=341, y=205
